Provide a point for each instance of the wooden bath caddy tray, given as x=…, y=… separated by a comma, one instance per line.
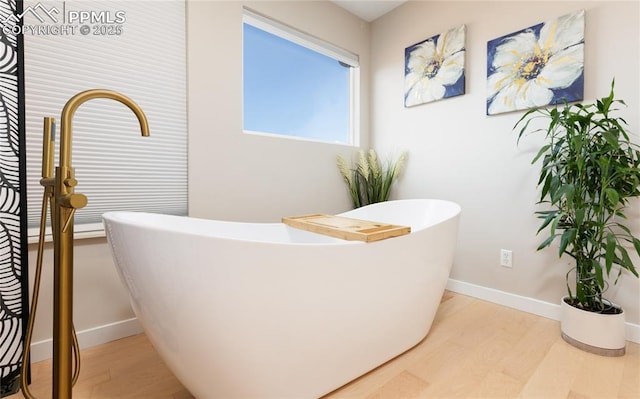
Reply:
x=346, y=228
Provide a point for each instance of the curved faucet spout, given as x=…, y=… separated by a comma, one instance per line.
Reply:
x=64, y=204
x=72, y=105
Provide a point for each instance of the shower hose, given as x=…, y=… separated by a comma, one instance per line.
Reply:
x=46, y=201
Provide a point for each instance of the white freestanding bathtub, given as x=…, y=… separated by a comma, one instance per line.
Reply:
x=264, y=310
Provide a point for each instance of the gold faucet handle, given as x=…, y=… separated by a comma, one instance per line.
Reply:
x=74, y=201
x=70, y=182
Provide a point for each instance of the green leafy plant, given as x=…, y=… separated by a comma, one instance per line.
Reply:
x=369, y=181
x=590, y=170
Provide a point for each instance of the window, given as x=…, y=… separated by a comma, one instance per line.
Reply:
x=144, y=59
x=296, y=85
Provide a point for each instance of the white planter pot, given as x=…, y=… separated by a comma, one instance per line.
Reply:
x=602, y=334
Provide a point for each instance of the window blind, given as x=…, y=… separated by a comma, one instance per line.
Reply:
x=279, y=29
x=116, y=168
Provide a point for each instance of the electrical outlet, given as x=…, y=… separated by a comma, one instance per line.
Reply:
x=506, y=258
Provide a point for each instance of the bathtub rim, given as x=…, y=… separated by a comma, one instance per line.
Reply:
x=454, y=210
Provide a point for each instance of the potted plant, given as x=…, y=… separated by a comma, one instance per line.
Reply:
x=590, y=170
x=370, y=181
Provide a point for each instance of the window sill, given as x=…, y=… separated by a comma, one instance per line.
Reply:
x=91, y=230
x=297, y=138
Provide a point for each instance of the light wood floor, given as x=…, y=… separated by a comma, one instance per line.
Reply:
x=475, y=349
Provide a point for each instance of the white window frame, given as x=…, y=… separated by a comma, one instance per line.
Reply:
x=318, y=45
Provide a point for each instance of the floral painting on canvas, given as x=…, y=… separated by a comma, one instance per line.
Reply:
x=537, y=66
x=434, y=68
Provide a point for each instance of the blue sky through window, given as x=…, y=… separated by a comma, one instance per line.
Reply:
x=292, y=90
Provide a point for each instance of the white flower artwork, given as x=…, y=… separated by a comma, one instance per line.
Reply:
x=434, y=68
x=537, y=66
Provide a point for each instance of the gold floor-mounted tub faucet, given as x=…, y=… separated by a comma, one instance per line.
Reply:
x=59, y=190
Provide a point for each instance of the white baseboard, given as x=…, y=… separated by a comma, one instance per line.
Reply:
x=43, y=350
x=526, y=304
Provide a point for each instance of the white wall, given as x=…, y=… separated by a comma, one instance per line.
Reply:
x=100, y=298
x=237, y=176
x=456, y=152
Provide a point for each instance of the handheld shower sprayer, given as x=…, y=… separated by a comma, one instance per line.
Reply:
x=59, y=194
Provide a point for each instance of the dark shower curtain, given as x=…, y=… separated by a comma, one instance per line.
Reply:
x=13, y=215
